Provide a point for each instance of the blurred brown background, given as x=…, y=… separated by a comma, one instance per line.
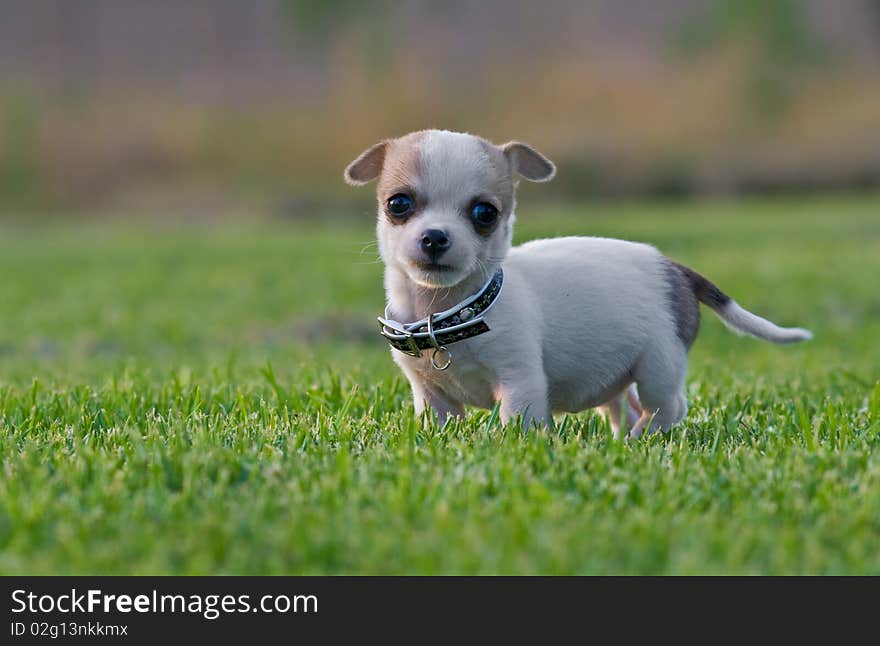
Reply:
x=204, y=106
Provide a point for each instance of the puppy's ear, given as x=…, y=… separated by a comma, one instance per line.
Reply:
x=528, y=162
x=367, y=166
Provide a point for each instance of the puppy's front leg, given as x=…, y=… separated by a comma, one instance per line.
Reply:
x=528, y=399
x=441, y=405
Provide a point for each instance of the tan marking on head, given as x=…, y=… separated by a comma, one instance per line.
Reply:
x=402, y=168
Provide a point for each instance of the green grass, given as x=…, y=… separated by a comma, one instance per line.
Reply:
x=214, y=400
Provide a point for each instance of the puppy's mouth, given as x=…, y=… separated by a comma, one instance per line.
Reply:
x=432, y=274
x=433, y=267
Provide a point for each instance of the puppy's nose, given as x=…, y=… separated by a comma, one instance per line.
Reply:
x=434, y=242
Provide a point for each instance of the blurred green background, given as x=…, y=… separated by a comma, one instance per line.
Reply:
x=206, y=109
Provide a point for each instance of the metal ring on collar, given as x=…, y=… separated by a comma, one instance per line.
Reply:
x=435, y=364
x=437, y=348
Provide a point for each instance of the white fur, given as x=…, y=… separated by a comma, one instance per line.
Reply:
x=742, y=321
x=579, y=319
x=567, y=334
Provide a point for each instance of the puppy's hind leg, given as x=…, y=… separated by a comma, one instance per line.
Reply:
x=661, y=418
x=660, y=379
x=613, y=409
x=634, y=406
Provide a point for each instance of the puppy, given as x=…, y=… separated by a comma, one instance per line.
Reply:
x=555, y=325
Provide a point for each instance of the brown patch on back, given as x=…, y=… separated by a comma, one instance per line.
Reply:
x=683, y=303
x=687, y=289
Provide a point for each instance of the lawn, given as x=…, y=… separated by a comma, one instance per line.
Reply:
x=201, y=399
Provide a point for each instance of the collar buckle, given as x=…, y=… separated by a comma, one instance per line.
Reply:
x=408, y=341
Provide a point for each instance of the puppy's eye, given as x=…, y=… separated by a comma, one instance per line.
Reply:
x=484, y=215
x=400, y=205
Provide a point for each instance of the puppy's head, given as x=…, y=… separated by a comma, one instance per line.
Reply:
x=446, y=201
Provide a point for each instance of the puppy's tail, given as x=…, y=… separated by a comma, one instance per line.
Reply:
x=737, y=318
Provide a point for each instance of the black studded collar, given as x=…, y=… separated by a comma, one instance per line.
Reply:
x=459, y=322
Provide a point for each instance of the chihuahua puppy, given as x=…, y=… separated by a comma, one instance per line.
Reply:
x=555, y=325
